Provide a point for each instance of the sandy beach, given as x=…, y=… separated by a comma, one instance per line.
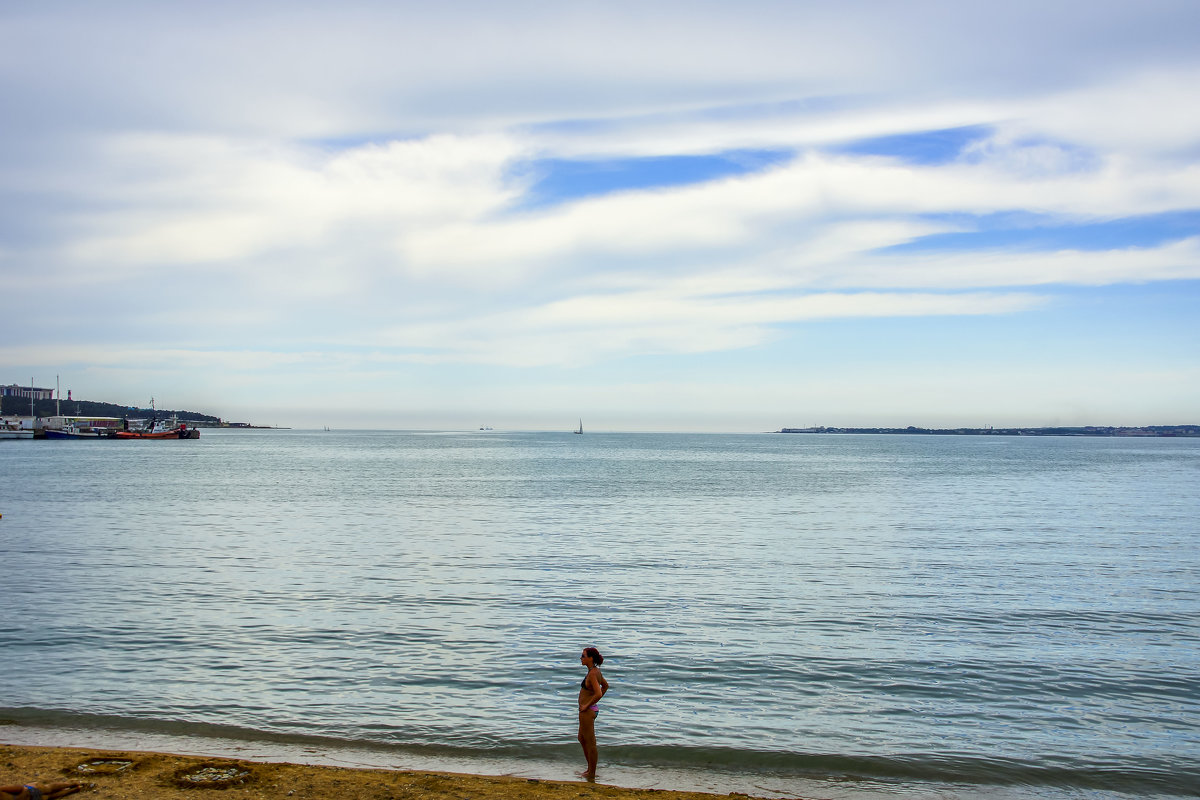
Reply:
x=125, y=775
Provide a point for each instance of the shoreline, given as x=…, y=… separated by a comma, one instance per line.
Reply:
x=316, y=754
x=143, y=775
x=276, y=770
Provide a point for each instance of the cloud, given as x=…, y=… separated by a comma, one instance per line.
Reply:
x=270, y=188
x=218, y=203
x=585, y=329
x=817, y=214
x=425, y=230
x=271, y=62
x=1170, y=262
x=1112, y=116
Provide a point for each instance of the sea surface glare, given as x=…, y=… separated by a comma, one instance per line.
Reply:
x=822, y=615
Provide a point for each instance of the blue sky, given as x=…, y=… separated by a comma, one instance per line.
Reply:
x=668, y=216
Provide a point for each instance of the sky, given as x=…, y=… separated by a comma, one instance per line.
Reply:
x=691, y=216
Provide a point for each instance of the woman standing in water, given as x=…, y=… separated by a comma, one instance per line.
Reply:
x=590, y=691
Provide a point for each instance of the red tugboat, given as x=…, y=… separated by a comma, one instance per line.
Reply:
x=166, y=430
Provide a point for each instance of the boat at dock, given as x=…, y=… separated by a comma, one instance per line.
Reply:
x=168, y=429
x=71, y=432
x=79, y=427
x=11, y=429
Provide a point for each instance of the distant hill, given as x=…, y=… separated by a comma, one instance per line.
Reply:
x=90, y=408
x=1089, y=430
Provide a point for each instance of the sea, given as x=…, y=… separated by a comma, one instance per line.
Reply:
x=847, y=617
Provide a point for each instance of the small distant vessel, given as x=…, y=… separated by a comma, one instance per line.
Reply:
x=580, y=431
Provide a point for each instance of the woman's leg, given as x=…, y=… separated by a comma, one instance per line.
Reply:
x=587, y=739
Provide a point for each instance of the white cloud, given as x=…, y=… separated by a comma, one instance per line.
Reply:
x=590, y=328
x=816, y=215
x=1152, y=112
x=334, y=190
x=1174, y=261
x=221, y=203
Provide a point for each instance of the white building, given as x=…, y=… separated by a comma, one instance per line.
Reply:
x=13, y=390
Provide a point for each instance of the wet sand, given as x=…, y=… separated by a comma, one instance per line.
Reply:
x=126, y=775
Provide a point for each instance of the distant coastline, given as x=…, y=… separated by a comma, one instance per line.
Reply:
x=46, y=406
x=1089, y=430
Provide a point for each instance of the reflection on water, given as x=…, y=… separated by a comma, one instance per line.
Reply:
x=938, y=604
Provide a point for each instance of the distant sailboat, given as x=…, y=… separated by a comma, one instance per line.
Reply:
x=580, y=431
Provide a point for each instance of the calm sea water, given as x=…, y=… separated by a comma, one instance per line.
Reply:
x=833, y=616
